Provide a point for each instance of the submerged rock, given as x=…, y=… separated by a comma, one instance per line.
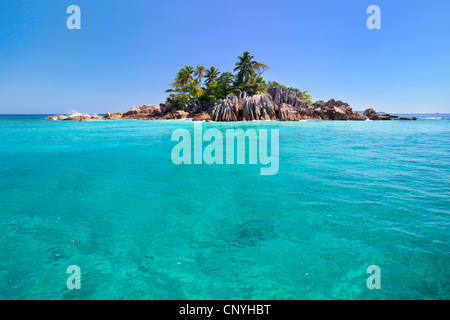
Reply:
x=252, y=232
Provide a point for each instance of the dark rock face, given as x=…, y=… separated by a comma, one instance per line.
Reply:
x=208, y=106
x=165, y=107
x=259, y=107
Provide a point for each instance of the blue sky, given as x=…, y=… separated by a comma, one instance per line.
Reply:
x=127, y=52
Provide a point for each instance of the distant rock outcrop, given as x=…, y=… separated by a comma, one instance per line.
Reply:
x=337, y=110
x=142, y=111
x=373, y=115
x=117, y=115
x=57, y=117
x=78, y=117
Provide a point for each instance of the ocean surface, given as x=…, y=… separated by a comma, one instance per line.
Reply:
x=106, y=196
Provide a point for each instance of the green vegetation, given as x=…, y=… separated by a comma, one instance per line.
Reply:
x=198, y=86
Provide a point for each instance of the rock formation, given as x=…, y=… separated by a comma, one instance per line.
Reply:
x=142, y=111
x=292, y=97
x=117, y=115
x=78, y=117
x=229, y=109
x=336, y=110
x=259, y=107
x=287, y=112
x=203, y=116
x=165, y=107
x=278, y=103
x=371, y=113
x=180, y=114
x=57, y=117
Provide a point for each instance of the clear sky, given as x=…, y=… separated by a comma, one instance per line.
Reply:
x=127, y=52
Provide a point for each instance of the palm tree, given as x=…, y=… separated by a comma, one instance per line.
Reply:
x=184, y=76
x=246, y=66
x=211, y=75
x=196, y=91
x=200, y=72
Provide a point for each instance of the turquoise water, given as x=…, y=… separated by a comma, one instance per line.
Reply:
x=105, y=195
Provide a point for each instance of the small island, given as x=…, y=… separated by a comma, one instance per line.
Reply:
x=201, y=94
